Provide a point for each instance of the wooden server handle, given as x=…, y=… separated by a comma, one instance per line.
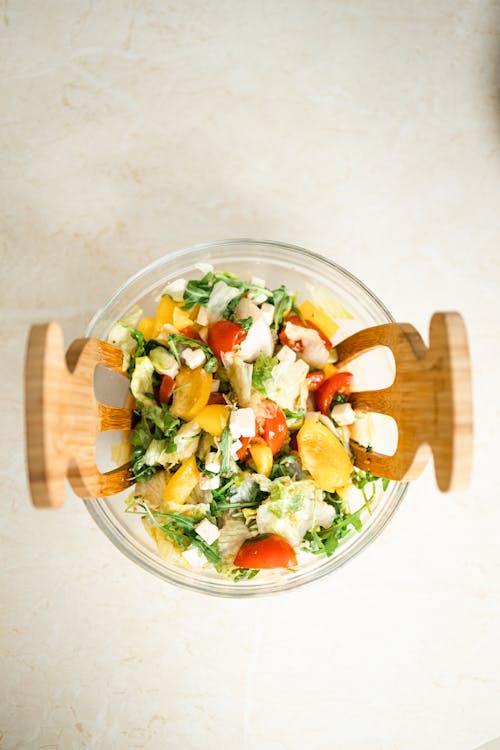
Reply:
x=430, y=400
x=63, y=416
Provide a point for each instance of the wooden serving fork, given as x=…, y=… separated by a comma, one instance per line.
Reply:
x=430, y=399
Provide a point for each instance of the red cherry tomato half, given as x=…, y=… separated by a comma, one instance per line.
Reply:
x=266, y=551
x=223, y=336
x=315, y=379
x=191, y=333
x=271, y=424
x=166, y=389
x=297, y=346
x=339, y=383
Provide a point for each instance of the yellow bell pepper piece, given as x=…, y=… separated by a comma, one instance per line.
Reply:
x=319, y=317
x=181, y=319
x=191, y=394
x=164, y=314
x=324, y=456
x=182, y=483
x=263, y=457
x=329, y=370
x=213, y=418
x=147, y=326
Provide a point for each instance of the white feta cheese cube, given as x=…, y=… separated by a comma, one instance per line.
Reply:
x=208, y=531
x=194, y=557
x=193, y=357
x=242, y=423
x=214, y=386
x=247, y=309
x=343, y=414
x=202, y=317
x=209, y=483
x=286, y=354
x=212, y=462
x=176, y=289
x=267, y=311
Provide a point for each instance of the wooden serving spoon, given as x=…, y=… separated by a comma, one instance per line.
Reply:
x=430, y=399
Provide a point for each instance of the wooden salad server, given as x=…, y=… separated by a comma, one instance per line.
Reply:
x=430, y=399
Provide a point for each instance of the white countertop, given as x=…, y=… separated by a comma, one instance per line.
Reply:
x=366, y=131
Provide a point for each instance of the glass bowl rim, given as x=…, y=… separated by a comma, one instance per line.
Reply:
x=223, y=588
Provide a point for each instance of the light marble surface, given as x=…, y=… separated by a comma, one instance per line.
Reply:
x=368, y=131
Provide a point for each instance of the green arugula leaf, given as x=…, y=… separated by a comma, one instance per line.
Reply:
x=362, y=479
x=198, y=292
x=221, y=502
x=179, y=529
x=244, y=574
x=326, y=541
x=155, y=423
x=282, y=302
x=173, y=341
x=140, y=350
x=245, y=323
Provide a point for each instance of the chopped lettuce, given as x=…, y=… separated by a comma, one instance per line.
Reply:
x=220, y=297
x=120, y=336
x=141, y=383
x=259, y=340
x=163, y=362
x=262, y=372
x=157, y=453
x=169, y=451
x=288, y=385
x=293, y=508
x=240, y=377
x=186, y=442
x=294, y=419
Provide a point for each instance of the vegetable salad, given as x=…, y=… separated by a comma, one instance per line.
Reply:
x=240, y=446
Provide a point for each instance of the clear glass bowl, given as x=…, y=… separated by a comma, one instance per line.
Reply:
x=301, y=271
